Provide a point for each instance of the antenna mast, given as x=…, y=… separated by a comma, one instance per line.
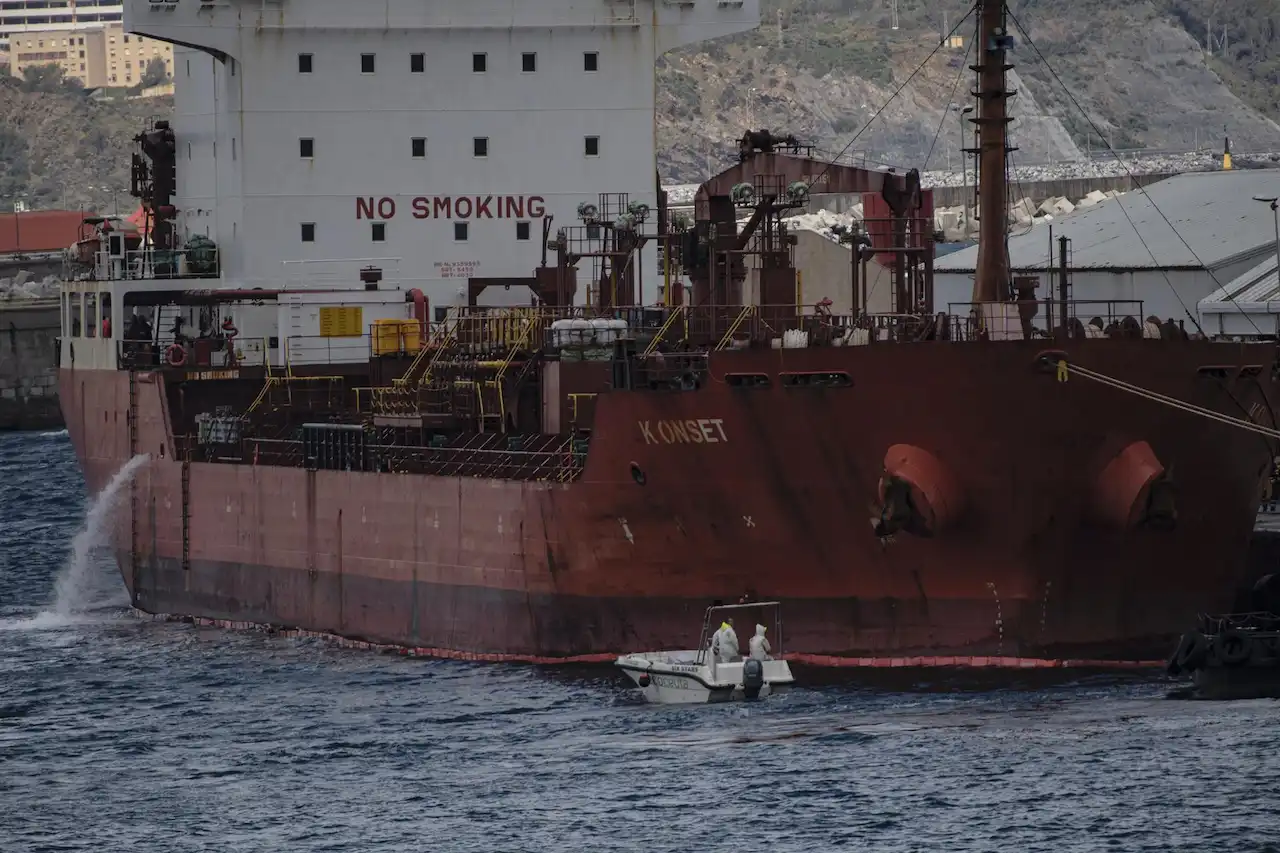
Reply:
x=991, y=282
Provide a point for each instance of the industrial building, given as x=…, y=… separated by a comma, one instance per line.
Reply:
x=1122, y=251
x=97, y=55
x=1247, y=307
x=18, y=17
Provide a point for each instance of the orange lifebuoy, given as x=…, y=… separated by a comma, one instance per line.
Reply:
x=175, y=355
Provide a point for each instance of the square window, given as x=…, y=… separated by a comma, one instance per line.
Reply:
x=379, y=232
x=419, y=146
x=480, y=146
x=460, y=230
x=366, y=63
x=591, y=146
x=479, y=62
x=417, y=63
x=522, y=230
x=308, y=232
x=306, y=148
x=441, y=313
x=528, y=62
x=591, y=61
x=304, y=63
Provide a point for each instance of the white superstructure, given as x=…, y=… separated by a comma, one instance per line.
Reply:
x=435, y=133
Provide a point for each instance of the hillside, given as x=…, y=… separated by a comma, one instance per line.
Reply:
x=62, y=149
x=823, y=67
x=820, y=69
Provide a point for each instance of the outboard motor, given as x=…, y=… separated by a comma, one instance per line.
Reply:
x=752, y=677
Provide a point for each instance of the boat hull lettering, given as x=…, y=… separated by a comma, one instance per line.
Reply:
x=691, y=431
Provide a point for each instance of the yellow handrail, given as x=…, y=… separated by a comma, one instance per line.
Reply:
x=671, y=318
x=262, y=395
x=281, y=380
x=441, y=339
x=733, y=328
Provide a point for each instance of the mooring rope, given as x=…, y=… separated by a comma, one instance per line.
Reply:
x=1065, y=368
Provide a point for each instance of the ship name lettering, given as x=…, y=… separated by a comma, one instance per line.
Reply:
x=456, y=207
x=673, y=683
x=692, y=431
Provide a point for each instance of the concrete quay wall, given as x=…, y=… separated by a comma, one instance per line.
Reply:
x=29, y=330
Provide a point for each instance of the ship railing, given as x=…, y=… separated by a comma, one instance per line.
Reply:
x=673, y=371
x=441, y=337
x=194, y=354
x=1253, y=621
x=311, y=350
x=499, y=331
x=137, y=264
x=777, y=326
x=1036, y=318
x=340, y=273
x=538, y=458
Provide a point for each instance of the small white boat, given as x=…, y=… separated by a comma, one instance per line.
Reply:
x=696, y=677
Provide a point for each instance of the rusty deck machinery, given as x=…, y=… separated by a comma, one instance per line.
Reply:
x=715, y=251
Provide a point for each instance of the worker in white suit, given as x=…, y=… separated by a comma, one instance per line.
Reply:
x=758, y=646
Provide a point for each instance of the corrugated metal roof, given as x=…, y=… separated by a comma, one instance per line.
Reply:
x=1213, y=211
x=39, y=230
x=1260, y=284
x=941, y=250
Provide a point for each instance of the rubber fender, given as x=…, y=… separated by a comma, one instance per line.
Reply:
x=936, y=497
x=1121, y=491
x=1192, y=652
x=1264, y=650
x=1231, y=648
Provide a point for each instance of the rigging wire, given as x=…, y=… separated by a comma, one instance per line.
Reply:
x=1141, y=189
x=946, y=113
x=1011, y=184
x=890, y=99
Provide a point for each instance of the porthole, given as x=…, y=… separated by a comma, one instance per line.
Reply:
x=637, y=474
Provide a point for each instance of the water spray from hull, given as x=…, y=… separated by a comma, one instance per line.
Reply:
x=78, y=588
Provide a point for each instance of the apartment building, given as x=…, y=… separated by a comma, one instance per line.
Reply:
x=98, y=55
x=18, y=17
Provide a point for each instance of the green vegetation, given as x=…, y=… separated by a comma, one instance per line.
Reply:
x=1245, y=43
x=49, y=79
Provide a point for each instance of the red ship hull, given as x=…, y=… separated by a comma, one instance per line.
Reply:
x=765, y=490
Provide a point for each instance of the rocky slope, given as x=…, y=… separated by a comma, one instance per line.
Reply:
x=1127, y=76
x=821, y=69
x=61, y=149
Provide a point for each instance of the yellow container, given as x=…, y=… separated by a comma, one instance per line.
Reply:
x=410, y=335
x=388, y=336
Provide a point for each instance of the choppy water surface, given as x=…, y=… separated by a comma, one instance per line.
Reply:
x=123, y=734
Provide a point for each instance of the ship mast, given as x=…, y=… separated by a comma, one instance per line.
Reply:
x=991, y=281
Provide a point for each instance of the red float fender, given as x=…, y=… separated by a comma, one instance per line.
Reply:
x=935, y=494
x=1121, y=491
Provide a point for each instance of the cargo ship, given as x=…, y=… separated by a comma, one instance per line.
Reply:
x=418, y=356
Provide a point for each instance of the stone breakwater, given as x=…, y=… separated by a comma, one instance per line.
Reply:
x=1096, y=167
